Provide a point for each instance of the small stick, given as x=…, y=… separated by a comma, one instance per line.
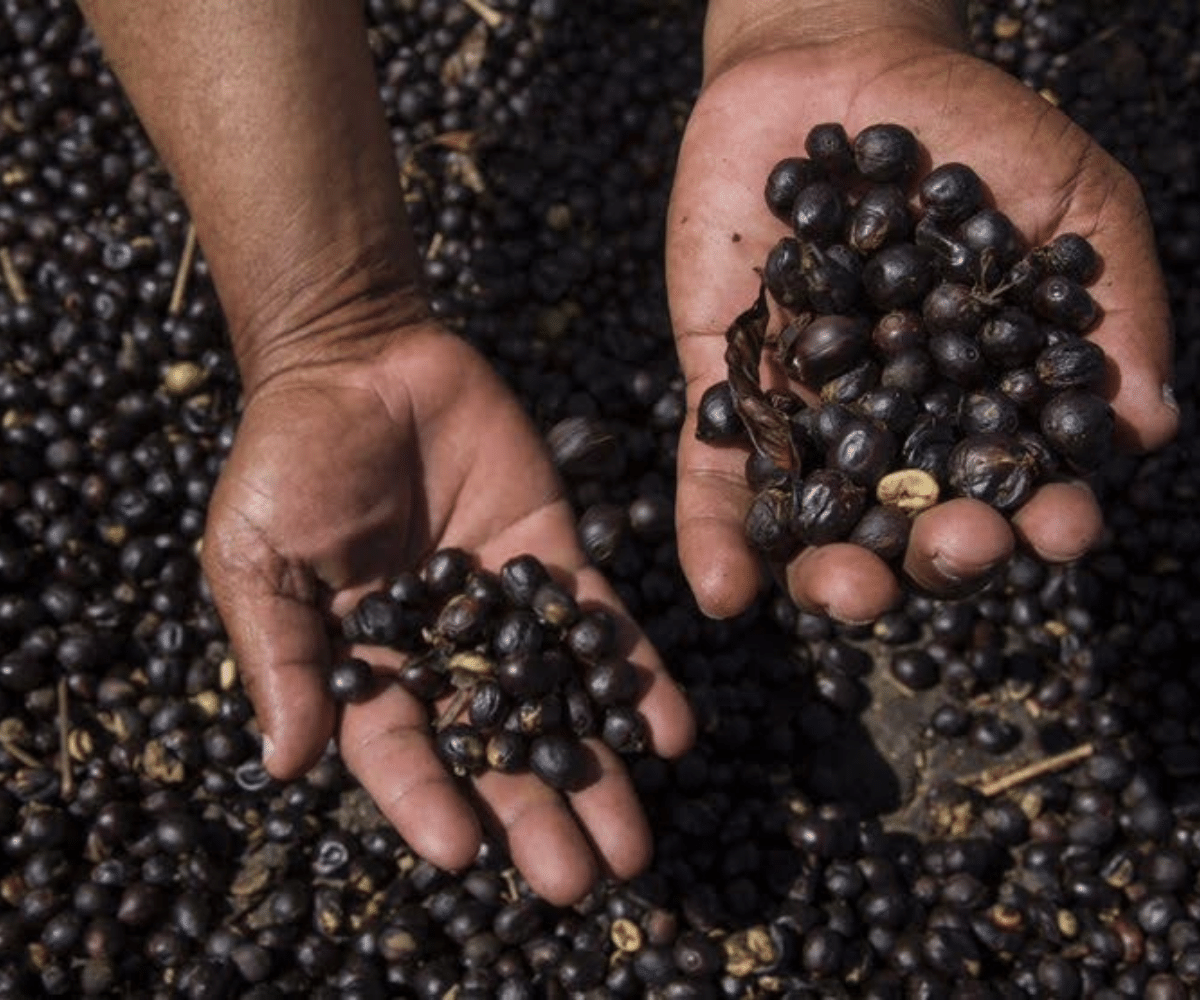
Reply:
x=64, y=727
x=179, y=289
x=990, y=788
x=492, y=18
x=12, y=278
x=457, y=704
x=15, y=751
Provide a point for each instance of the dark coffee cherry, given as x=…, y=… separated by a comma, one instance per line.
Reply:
x=912, y=371
x=852, y=385
x=612, y=681
x=993, y=468
x=785, y=181
x=898, y=331
x=518, y=632
x=488, y=705
x=594, y=636
x=828, y=506
x=950, y=720
x=1071, y=256
x=928, y=445
x=561, y=761
x=623, y=729
x=1011, y=338
x=761, y=473
x=831, y=278
x=988, y=411
x=879, y=218
x=898, y=276
x=954, y=260
x=953, y=308
x=958, y=358
x=423, y=680
x=824, y=348
x=915, y=669
x=520, y=578
x=819, y=213
x=1065, y=303
x=883, y=530
x=829, y=147
x=886, y=153
x=783, y=275
x=950, y=192
x=864, y=452
x=461, y=749
x=768, y=524
x=1079, y=426
x=446, y=572
x=602, y=528
x=991, y=234
x=507, y=752
x=1073, y=364
x=1024, y=388
x=462, y=620
x=894, y=408
x=1045, y=461
x=943, y=401
x=993, y=734
x=554, y=606
x=717, y=418
x=351, y=680
x=527, y=674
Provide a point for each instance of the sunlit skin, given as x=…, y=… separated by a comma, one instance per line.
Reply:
x=1040, y=168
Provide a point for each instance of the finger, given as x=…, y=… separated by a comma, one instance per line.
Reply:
x=1061, y=521
x=542, y=837
x=956, y=544
x=710, y=510
x=847, y=582
x=281, y=647
x=611, y=814
x=672, y=727
x=385, y=743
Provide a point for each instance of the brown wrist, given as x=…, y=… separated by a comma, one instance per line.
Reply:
x=737, y=29
x=338, y=310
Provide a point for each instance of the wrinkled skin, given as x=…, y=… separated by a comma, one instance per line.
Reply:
x=1038, y=167
x=343, y=474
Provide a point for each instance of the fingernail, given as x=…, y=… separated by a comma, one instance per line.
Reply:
x=946, y=569
x=268, y=747
x=1168, y=397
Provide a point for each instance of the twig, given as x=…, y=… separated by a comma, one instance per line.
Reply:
x=17, y=753
x=492, y=18
x=991, y=787
x=454, y=708
x=179, y=289
x=64, y=727
x=12, y=278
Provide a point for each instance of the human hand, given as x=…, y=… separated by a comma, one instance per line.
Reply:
x=762, y=95
x=344, y=473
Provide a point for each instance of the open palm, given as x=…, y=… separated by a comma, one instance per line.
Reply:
x=343, y=475
x=1043, y=171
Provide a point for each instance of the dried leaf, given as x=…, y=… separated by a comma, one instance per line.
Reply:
x=468, y=56
x=769, y=429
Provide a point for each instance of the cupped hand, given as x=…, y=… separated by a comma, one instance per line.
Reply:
x=1042, y=170
x=342, y=475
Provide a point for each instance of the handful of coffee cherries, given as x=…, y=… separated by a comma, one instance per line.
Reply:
x=942, y=358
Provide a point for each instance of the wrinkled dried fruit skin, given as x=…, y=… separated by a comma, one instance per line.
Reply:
x=864, y=451
x=950, y=192
x=898, y=276
x=1071, y=256
x=988, y=411
x=1080, y=426
x=828, y=505
x=768, y=523
x=1011, y=338
x=784, y=276
x=828, y=146
x=993, y=468
x=884, y=531
x=717, y=420
x=1074, y=364
x=879, y=218
x=785, y=182
x=819, y=213
x=886, y=153
x=825, y=348
x=1065, y=303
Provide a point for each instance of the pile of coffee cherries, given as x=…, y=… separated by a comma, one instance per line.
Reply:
x=519, y=673
x=940, y=357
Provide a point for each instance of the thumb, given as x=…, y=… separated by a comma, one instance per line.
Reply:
x=279, y=640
